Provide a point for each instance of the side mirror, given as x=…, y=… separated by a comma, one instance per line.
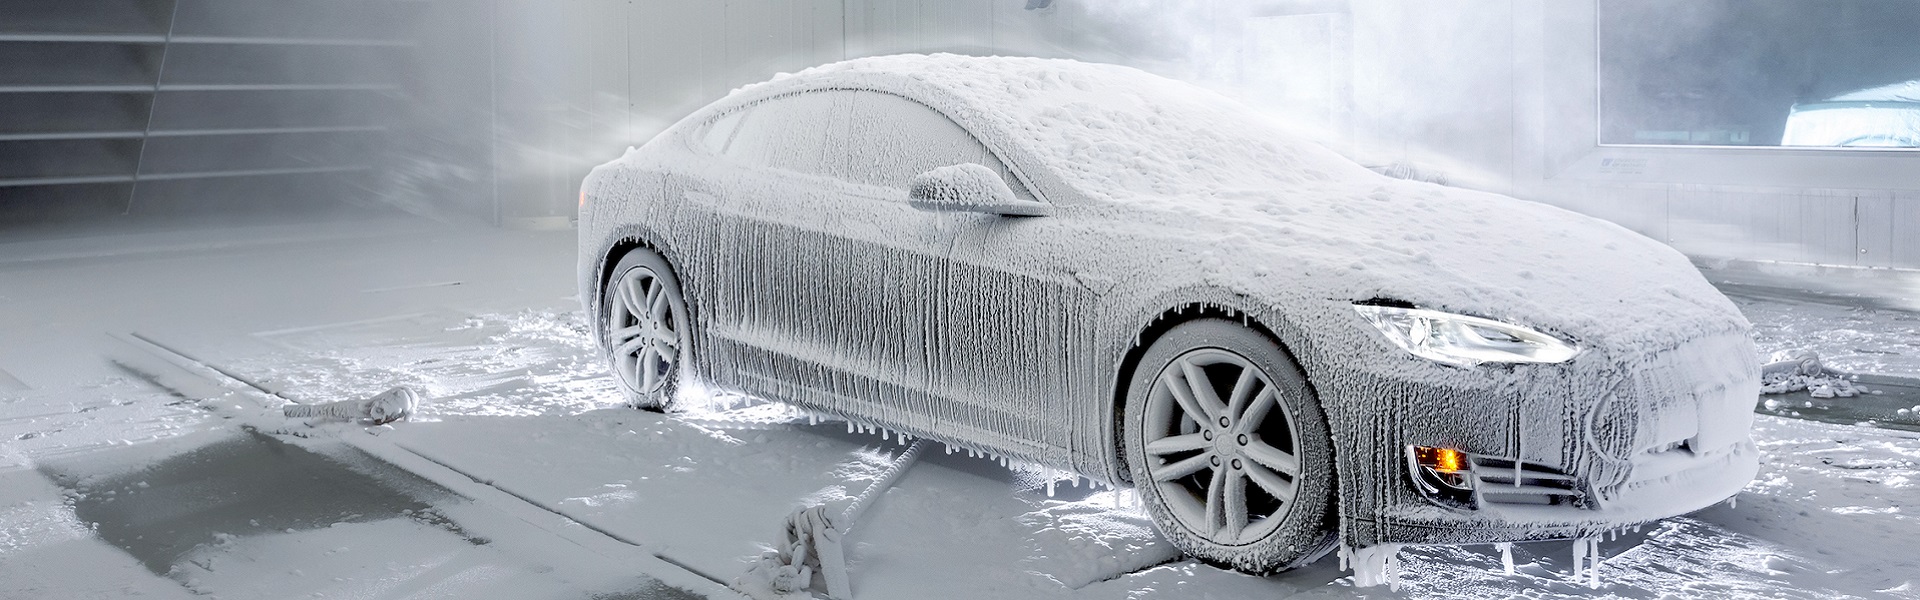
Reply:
x=969, y=187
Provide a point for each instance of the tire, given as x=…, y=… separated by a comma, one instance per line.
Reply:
x=645, y=330
x=1255, y=492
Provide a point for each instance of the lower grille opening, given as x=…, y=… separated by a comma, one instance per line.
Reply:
x=1503, y=481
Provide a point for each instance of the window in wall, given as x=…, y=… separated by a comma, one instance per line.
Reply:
x=1820, y=73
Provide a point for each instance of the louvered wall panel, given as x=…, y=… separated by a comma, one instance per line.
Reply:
x=108, y=106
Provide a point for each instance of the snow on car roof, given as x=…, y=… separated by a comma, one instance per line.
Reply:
x=1906, y=91
x=1114, y=132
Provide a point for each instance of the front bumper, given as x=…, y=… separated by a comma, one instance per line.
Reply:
x=1573, y=452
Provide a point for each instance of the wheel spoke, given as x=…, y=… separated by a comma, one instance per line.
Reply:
x=657, y=301
x=1178, y=443
x=624, y=333
x=1216, y=501
x=1273, y=484
x=1191, y=465
x=1274, y=458
x=666, y=335
x=1202, y=390
x=629, y=347
x=1235, y=509
x=668, y=354
x=1192, y=407
x=649, y=371
x=1256, y=413
x=1242, y=388
x=631, y=295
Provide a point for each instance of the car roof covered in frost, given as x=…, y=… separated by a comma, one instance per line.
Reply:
x=1108, y=131
x=1906, y=91
x=1167, y=156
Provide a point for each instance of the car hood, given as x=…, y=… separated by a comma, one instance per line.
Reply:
x=1449, y=249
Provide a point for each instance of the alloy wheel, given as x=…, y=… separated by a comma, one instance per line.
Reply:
x=1221, y=446
x=645, y=331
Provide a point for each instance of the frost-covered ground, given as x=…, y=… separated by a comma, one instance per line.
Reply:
x=519, y=407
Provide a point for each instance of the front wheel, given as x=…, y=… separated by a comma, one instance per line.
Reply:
x=1229, y=449
x=645, y=329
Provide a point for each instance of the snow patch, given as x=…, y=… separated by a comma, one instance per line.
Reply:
x=1805, y=372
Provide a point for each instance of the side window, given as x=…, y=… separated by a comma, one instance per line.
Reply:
x=891, y=139
x=720, y=131
x=789, y=132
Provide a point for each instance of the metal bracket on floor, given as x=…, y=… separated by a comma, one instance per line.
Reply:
x=810, y=547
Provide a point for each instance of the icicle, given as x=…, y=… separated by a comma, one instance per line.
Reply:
x=1374, y=565
x=1593, y=569
x=1733, y=502
x=1049, y=485
x=849, y=426
x=1579, y=557
x=883, y=434
x=1586, y=561
x=1506, y=555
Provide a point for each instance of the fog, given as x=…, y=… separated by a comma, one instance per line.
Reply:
x=491, y=113
x=212, y=211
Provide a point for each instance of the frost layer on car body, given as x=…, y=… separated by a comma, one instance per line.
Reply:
x=810, y=277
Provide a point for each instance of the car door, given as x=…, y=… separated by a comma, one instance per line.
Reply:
x=822, y=277
x=1018, y=328
x=889, y=264
x=992, y=333
x=751, y=202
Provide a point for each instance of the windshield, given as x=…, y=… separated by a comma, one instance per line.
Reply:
x=1161, y=138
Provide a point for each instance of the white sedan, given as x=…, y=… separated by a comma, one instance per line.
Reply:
x=1102, y=271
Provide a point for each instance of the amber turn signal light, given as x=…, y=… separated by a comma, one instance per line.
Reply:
x=1442, y=474
x=1444, y=460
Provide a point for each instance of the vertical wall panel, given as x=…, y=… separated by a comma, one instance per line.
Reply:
x=962, y=26
x=1905, y=230
x=678, y=53
x=1873, y=231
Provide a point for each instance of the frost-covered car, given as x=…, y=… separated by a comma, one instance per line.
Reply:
x=1098, y=270
x=1883, y=117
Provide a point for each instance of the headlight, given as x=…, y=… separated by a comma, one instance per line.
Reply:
x=1464, y=341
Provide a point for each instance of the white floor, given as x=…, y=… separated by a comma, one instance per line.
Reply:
x=524, y=478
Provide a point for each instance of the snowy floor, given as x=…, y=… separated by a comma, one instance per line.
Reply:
x=523, y=478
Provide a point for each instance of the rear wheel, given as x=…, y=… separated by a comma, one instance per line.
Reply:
x=1229, y=449
x=645, y=329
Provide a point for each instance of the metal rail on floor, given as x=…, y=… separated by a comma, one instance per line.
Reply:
x=481, y=490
